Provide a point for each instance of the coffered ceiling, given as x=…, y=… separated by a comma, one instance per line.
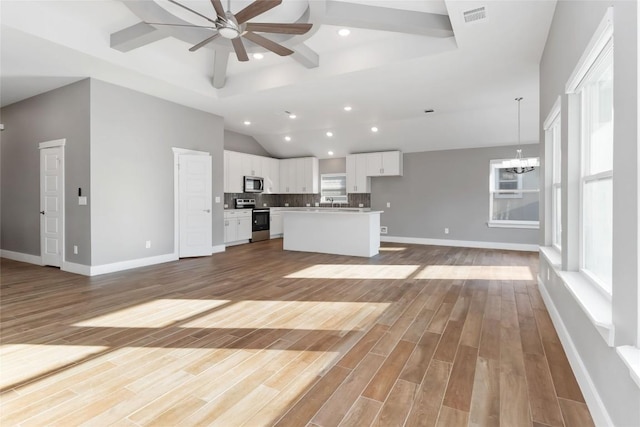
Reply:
x=400, y=59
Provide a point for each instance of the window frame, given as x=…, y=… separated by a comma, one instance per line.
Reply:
x=495, y=165
x=553, y=140
x=598, y=54
x=334, y=199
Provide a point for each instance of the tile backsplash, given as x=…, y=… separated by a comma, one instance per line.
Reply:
x=294, y=200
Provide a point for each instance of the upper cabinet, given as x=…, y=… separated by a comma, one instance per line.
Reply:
x=271, y=175
x=299, y=176
x=295, y=176
x=357, y=179
x=386, y=163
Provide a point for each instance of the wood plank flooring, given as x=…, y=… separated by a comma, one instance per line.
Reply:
x=255, y=336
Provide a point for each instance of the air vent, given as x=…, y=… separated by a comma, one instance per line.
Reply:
x=475, y=14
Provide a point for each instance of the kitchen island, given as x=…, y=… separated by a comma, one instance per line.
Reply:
x=335, y=231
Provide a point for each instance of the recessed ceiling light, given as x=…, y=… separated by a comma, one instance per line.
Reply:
x=292, y=116
x=247, y=122
x=374, y=129
x=344, y=32
x=329, y=134
x=347, y=108
x=258, y=55
x=287, y=138
x=330, y=153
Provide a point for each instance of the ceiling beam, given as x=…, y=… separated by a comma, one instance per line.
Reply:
x=136, y=36
x=386, y=19
x=220, y=61
x=305, y=56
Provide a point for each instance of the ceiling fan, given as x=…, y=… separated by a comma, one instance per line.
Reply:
x=235, y=26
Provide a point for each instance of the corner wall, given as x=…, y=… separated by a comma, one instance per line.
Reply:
x=61, y=113
x=132, y=197
x=449, y=189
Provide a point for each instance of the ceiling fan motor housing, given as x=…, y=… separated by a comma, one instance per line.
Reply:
x=228, y=26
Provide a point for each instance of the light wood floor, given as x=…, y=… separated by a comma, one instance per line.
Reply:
x=419, y=335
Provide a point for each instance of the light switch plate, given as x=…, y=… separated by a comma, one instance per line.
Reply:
x=82, y=200
x=217, y=199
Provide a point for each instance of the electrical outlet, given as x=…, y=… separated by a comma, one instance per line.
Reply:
x=361, y=205
x=147, y=244
x=446, y=230
x=384, y=229
x=388, y=204
x=264, y=205
x=286, y=205
x=308, y=204
x=317, y=204
x=75, y=249
x=217, y=199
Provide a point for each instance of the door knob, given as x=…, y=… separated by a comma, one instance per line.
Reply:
x=207, y=210
x=42, y=212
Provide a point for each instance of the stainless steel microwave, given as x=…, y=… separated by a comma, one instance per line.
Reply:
x=253, y=184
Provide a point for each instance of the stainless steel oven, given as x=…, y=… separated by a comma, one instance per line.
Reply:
x=260, y=220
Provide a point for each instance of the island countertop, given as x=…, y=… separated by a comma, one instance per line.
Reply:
x=335, y=231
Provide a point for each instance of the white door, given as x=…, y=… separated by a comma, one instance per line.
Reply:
x=52, y=205
x=194, y=186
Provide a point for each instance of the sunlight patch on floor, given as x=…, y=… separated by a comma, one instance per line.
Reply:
x=26, y=361
x=153, y=314
x=475, y=272
x=312, y=315
x=354, y=271
x=391, y=249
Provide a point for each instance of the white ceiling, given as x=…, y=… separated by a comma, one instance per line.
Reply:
x=389, y=78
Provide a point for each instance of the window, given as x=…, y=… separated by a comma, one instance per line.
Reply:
x=552, y=140
x=333, y=188
x=596, y=172
x=514, y=198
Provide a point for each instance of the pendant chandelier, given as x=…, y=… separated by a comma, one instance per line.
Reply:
x=519, y=165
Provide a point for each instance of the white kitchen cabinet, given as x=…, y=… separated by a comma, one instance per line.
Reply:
x=307, y=175
x=288, y=176
x=233, y=173
x=386, y=163
x=237, y=225
x=276, y=227
x=252, y=165
x=357, y=179
x=271, y=172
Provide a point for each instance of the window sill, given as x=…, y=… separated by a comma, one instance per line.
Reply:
x=552, y=255
x=512, y=225
x=593, y=302
x=631, y=357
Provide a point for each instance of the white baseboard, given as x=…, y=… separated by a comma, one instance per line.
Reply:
x=218, y=248
x=592, y=398
x=461, y=243
x=134, y=263
x=72, y=267
x=19, y=256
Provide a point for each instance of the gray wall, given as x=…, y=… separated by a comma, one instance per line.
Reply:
x=336, y=165
x=132, y=198
x=446, y=189
x=61, y=113
x=234, y=141
x=573, y=26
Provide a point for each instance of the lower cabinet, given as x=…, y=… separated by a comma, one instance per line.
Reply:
x=276, y=227
x=237, y=225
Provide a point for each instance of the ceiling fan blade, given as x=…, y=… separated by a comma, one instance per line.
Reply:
x=279, y=28
x=256, y=8
x=204, y=42
x=192, y=11
x=181, y=25
x=241, y=52
x=217, y=5
x=268, y=44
